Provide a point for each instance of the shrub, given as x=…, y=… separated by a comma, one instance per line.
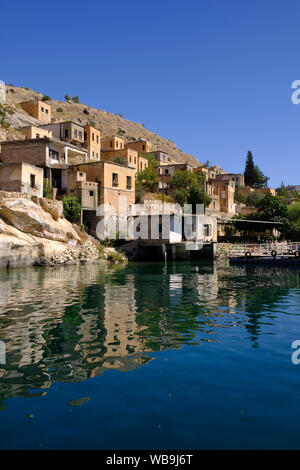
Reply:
x=59, y=110
x=46, y=98
x=116, y=257
x=75, y=99
x=68, y=98
x=47, y=190
x=101, y=251
x=72, y=208
x=5, y=111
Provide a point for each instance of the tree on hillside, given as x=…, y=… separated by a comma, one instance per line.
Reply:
x=147, y=179
x=249, y=173
x=5, y=111
x=254, y=177
x=188, y=189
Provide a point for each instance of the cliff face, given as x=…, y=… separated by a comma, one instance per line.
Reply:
x=109, y=124
x=33, y=231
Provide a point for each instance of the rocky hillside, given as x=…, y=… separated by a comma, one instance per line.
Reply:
x=109, y=124
x=35, y=232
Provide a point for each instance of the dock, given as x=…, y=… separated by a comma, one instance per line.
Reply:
x=270, y=254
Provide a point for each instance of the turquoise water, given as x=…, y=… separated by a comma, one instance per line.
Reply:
x=149, y=356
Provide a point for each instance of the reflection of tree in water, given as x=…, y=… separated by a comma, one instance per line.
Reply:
x=77, y=331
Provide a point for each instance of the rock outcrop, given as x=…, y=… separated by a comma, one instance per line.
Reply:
x=29, y=234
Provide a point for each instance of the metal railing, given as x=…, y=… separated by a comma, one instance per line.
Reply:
x=266, y=249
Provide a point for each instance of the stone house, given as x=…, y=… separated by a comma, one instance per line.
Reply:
x=114, y=180
x=85, y=191
x=93, y=142
x=67, y=131
x=34, y=132
x=161, y=157
x=38, y=109
x=21, y=178
x=142, y=146
x=112, y=143
x=52, y=155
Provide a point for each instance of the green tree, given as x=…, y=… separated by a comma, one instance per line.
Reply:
x=72, y=208
x=5, y=111
x=147, y=179
x=270, y=208
x=68, y=97
x=254, y=177
x=250, y=173
x=188, y=189
x=253, y=199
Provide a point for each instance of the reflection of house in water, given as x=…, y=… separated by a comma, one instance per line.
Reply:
x=73, y=323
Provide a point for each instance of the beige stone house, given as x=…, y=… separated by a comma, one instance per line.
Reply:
x=142, y=146
x=112, y=143
x=22, y=178
x=34, y=132
x=38, y=109
x=113, y=180
x=52, y=155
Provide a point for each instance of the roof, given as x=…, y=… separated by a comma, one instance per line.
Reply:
x=248, y=220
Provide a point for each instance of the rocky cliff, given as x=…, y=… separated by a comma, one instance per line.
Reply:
x=34, y=231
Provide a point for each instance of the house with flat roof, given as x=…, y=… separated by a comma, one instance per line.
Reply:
x=21, y=178
x=112, y=143
x=114, y=180
x=52, y=155
x=38, y=109
x=142, y=145
x=34, y=132
x=67, y=131
x=92, y=142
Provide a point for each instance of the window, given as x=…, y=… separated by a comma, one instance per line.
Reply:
x=80, y=135
x=85, y=136
x=117, y=144
x=42, y=109
x=46, y=111
x=66, y=133
x=141, y=165
x=111, y=144
x=97, y=138
x=135, y=160
x=37, y=136
x=115, y=179
x=166, y=171
x=130, y=158
x=91, y=193
x=80, y=174
x=54, y=155
x=129, y=182
x=93, y=136
x=143, y=147
x=32, y=181
x=75, y=133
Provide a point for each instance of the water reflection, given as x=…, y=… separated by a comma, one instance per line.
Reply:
x=69, y=324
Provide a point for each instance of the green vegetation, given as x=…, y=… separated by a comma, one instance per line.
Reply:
x=254, y=177
x=72, y=208
x=59, y=110
x=46, y=98
x=5, y=112
x=253, y=199
x=120, y=160
x=116, y=257
x=188, y=188
x=147, y=179
x=239, y=197
x=274, y=209
x=47, y=189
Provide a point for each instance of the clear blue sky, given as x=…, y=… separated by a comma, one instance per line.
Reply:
x=214, y=76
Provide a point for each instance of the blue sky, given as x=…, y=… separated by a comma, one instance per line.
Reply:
x=214, y=76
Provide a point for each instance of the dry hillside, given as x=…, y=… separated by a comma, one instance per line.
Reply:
x=109, y=124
